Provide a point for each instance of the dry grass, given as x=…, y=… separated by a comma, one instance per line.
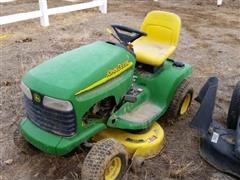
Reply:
x=184, y=169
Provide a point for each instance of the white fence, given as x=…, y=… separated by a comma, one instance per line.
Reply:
x=44, y=12
x=219, y=2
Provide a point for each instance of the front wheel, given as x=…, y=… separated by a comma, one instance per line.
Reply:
x=181, y=101
x=107, y=160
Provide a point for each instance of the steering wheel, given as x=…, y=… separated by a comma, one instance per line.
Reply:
x=127, y=34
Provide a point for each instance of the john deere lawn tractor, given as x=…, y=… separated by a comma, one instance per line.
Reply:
x=109, y=94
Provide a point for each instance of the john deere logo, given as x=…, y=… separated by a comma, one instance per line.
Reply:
x=37, y=98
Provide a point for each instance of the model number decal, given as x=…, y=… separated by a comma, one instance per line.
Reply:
x=215, y=137
x=119, y=69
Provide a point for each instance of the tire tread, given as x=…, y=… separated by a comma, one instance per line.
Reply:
x=99, y=156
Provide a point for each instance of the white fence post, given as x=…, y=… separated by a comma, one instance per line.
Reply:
x=44, y=12
x=103, y=8
x=219, y=2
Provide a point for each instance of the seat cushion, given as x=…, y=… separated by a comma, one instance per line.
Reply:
x=152, y=52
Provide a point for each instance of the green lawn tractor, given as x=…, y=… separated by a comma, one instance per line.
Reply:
x=108, y=95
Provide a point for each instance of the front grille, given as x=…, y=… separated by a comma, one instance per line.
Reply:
x=57, y=122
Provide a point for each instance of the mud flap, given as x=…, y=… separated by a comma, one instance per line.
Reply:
x=206, y=98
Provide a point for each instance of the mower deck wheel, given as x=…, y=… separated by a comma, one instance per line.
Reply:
x=182, y=100
x=106, y=160
x=234, y=109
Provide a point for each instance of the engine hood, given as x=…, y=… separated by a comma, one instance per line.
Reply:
x=73, y=72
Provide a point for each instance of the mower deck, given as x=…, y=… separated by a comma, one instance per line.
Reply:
x=145, y=144
x=218, y=144
x=220, y=154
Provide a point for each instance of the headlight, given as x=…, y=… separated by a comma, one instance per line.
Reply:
x=26, y=90
x=57, y=104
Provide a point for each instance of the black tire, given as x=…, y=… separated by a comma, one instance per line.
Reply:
x=22, y=144
x=234, y=112
x=99, y=157
x=181, y=93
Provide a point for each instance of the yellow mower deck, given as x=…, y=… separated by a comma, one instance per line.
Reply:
x=147, y=144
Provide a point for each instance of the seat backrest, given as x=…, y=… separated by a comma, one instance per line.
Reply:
x=162, y=27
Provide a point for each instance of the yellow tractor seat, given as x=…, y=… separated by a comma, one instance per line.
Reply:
x=163, y=29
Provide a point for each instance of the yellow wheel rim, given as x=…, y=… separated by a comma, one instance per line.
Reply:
x=185, y=104
x=113, y=169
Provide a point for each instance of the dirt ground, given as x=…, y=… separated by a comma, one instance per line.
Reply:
x=210, y=41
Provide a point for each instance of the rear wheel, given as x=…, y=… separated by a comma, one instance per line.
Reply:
x=234, y=109
x=106, y=160
x=181, y=101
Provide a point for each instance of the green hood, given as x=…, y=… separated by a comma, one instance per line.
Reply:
x=66, y=74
